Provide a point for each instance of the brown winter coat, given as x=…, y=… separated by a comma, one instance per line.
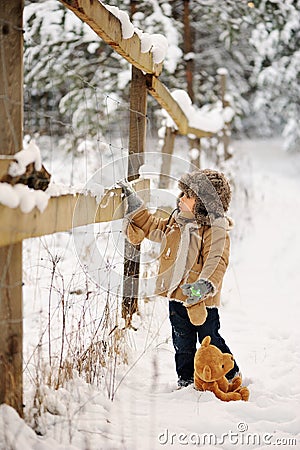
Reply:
x=207, y=255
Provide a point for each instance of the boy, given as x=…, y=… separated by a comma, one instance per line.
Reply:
x=194, y=256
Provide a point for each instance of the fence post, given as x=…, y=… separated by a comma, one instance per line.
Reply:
x=11, y=120
x=167, y=152
x=188, y=44
x=137, y=141
x=195, y=152
x=226, y=130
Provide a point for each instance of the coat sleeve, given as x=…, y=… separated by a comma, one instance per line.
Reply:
x=216, y=249
x=143, y=224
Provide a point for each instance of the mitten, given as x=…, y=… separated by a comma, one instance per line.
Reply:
x=197, y=313
x=197, y=291
x=133, y=200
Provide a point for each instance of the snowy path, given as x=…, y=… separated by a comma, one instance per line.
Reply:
x=259, y=320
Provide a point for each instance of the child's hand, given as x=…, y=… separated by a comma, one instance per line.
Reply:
x=133, y=200
x=126, y=188
x=197, y=291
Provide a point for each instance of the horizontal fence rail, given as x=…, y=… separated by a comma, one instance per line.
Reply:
x=60, y=213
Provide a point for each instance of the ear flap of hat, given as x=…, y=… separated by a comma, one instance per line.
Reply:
x=178, y=199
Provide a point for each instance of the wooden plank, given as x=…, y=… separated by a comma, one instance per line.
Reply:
x=58, y=216
x=11, y=121
x=137, y=143
x=62, y=214
x=108, y=28
x=166, y=101
x=4, y=164
x=225, y=103
x=137, y=123
x=199, y=133
x=188, y=48
x=196, y=144
x=11, y=73
x=11, y=319
x=166, y=152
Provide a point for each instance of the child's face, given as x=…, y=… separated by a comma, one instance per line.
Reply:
x=186, y=203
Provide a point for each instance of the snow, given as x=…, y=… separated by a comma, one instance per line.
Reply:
x=259, y=320
x=96, y=190
x=27, y=199
x=208, y=118
x=56, y=189
x=189, y=56
x=159, y=47
x=18, y=436
x=24, y=197
x=228, y=114
x=160, y=16
x=124, y=78
x=92, y=188
x=126, y=25
x=145, y=40
x=155, y=43
x=222, y=71
x=194, y=153
x=31, y=154
x=8, y=196
x=30, y=198
x=50, y=29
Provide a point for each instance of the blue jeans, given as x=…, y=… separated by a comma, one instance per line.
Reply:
x=185, y=334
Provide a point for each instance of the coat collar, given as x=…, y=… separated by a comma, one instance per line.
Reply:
x=183, y=218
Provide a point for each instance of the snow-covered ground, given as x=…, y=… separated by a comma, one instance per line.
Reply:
x=259, y=320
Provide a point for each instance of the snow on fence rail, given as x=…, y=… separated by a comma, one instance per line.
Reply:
x=145, y=53
x=59, y=213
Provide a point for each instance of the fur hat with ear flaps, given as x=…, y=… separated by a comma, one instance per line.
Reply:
x=212, y=192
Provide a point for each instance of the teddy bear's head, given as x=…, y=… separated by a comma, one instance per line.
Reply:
x=210, y=363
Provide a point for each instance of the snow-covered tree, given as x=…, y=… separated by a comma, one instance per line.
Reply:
x=276, y=39
x=68, y=72
x=220, y=35
x=221, y=39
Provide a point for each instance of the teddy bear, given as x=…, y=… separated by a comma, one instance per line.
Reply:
x=211, y=366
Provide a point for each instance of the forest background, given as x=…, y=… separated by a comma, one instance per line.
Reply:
x=257, y=42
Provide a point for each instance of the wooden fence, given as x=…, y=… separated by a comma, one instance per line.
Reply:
x=15, y=225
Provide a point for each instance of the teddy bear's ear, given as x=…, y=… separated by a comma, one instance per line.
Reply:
x=206, y=341
x=206, y=373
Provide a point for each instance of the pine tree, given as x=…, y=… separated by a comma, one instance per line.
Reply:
x=276, y=39
x=68, y=70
